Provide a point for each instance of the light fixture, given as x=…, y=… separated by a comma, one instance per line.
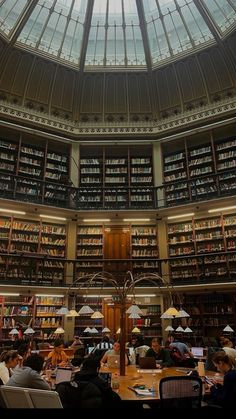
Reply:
x=97, y=315
x=118, y=331
x=85, y=310
x=134, y=309
x=228, y=329
x=29, y=331
x=12, y=211
x=49, y=295
x=63, y=311
x=170, y=313
x=97, y=296
x=135, y=330
x=93, y=330
x=172, y=217
x=52, y=217
x=96, y=220
x=105, y=330
x=73, y=313
x=134, y=316
x=179, y=329
x=169, y=329
x=59, y=331
x=136, y=219
x=13, y=332
x=222, y=209
x=87, y=330
x=141, y=295
x=182, y=313
x=10, y=294
x=188, y=330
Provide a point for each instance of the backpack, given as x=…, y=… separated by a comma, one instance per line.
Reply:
x=176, y=355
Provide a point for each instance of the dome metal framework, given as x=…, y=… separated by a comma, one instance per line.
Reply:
x=129, y=63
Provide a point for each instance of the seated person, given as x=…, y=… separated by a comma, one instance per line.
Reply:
x=228, y=348
x=186, y=356
x=8, y=361
x=160, y=353
x=29, y=375
x=114, y=351
x=57, y=356
x=224, y=394
x=88, y=389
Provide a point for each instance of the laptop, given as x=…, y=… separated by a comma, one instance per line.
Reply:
x=113, y=361
x=63, y=374
x=197, y=352
x=147, y=363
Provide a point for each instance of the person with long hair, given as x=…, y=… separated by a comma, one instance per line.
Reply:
x=8, y=361
x=224, y=394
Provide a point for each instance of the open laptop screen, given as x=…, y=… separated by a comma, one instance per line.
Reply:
x=196, y=351
x=63, y=374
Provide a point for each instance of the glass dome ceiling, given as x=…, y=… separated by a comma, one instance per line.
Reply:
x=115, y=34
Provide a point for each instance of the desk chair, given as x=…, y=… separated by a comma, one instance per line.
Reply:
x=180, y=392
x=27, y=398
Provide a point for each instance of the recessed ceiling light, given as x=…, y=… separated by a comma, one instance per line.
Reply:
x=52, y=217
x=222, y=209
x=12, y=211
x=172, y=217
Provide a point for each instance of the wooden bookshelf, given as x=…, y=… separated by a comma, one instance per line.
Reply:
x=90, y=240
x=144, y=245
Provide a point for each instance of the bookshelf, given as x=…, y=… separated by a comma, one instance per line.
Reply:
x=175, y=176
x=116, y=178
x=90, y=240
x=150, y=322
x=141, y=176
x=46, y=319
x=209, y=313
x=226, y=164
x=91, y=173
x=144, y=249
x=17, y=312
x=32, y=238
x=208, y=237
x=34, y=162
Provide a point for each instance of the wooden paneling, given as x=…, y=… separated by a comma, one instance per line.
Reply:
x=117, y=246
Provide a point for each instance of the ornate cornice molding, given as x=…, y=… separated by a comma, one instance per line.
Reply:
x=122, y=129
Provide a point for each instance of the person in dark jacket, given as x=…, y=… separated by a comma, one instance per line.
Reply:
x=88, y=389
x=159, y=353
x=224, y=394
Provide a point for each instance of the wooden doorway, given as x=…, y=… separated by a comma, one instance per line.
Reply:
x=117, y=247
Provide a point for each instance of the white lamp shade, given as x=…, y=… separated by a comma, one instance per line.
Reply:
x=85, y=310
x=87, y=330
x=134, y=309
x=63, y=311
x=134, y=316
x=182, y=313
x=228, y=329
x=73, y=313
x=188, y=330
x=93, y=330
x=29, y=331
x=97, y=315
x=105, y=330
x=169, y=329
x=179, y=329
x=136, y=330
x=14, y=332
x=118, y=331
x=170, y=313
x=59, y=331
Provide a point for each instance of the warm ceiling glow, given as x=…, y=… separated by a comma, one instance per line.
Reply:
x=10, y=294
x=96, y=220
x=222, y=209
x=52, y=217
x=12, y=211
x=172, y=217
x=49, y=295
x=136, y=219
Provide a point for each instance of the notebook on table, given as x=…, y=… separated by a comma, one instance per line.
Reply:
x=113, y=361
x=147, y=363
x=197, y=352
x=63, y=374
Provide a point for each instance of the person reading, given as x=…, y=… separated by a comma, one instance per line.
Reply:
x=57, y=356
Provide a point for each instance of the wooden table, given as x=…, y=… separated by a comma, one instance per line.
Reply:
x=148, y=379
